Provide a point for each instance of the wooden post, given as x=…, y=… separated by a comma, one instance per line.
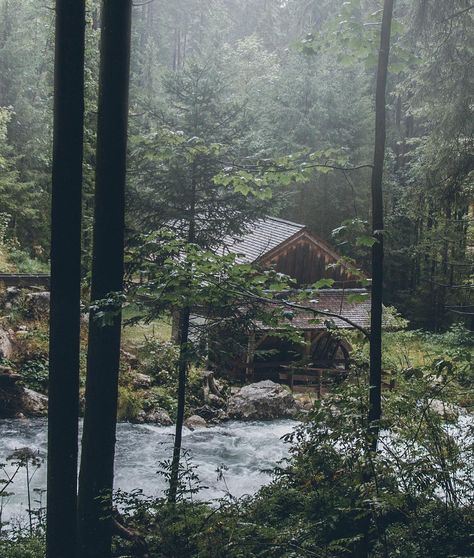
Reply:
x=307, y=347
x=249, y=369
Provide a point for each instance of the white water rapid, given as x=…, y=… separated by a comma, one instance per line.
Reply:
x=244, y=449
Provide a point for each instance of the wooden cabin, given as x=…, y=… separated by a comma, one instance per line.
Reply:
x=292, y=249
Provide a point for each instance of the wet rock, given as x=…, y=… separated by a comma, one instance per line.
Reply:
x=194, y=422
x=155, y=416
x=264, y=400
x=16, y=400
x=216, y=401
x=211, y=414
x=34, y=404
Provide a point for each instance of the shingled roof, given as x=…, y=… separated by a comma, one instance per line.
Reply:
x=334, y=301
x=264, y=235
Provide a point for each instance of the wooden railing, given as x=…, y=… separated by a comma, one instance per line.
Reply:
x=310, y=378
x=25, y=279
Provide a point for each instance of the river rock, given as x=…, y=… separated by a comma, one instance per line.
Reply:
x=263, y=400
x=155, y=416
x=194, y=422
x=16, y=400
x=211, y=414
x=34, y=404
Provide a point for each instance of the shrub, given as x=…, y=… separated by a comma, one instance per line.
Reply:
x=159, y=360
x=23, y=546
x=130, y=403
x=162, y=397
x=35, y=374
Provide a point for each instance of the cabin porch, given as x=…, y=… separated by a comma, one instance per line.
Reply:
x=315, y=364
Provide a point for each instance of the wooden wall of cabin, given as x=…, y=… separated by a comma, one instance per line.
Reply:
x=305, y=262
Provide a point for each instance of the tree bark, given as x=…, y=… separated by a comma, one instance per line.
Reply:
x=183, y=363
x=182, y=374
x=375, y=378
x=98, y=441
x=64, y=347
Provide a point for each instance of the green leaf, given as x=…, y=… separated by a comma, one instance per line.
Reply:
x=323, y=283
x=368, y=241
x=356, y=298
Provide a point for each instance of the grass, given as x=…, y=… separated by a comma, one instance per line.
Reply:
x=134, y=335
x=410, y=349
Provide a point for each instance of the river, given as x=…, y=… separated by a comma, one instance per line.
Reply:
x=243, y=450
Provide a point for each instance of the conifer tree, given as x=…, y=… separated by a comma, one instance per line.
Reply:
x=98, y=441
x=65, y=279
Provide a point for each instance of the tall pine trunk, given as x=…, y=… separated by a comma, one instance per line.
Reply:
x=65, y=279
x=375, y=378
x=98, y=441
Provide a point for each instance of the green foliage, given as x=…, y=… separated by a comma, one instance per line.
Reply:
x=130, y=403
x=334, y=497
x=34, y=374
x=23, y=546
x=163, y=397
x=30, y=358
x=159, y=359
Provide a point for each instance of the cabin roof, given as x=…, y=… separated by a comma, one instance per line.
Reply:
x=335, y=301
x=268, y=241
x=263, y=236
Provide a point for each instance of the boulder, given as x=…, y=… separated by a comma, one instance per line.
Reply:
x=264, y=400
x=131, y=360
x=16, y=400
x=155, y=416
x=37, y=304
x=12, y=293
x=10, y=297
x=194, y=422
x=34, y=404
x=211, y=414
x=141, y=381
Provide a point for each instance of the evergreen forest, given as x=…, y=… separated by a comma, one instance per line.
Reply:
x=236, y=279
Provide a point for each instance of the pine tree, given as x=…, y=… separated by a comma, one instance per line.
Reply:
x=98, y=441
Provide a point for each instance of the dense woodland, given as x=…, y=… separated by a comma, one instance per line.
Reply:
x=269, y=80
x=129, y=148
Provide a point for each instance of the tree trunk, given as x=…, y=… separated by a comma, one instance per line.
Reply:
x=61, y=536
x=375, y=379
x=98, y=441
x=182, y=374
x=183, y=357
